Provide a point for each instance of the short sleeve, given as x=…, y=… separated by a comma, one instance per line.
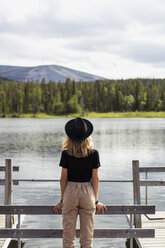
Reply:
x=96, y=162
x=63, y=160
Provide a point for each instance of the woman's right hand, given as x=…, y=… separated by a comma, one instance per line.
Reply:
x=100, y=207
x=58, y=208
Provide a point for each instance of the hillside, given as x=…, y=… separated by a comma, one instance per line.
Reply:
x=49, y=72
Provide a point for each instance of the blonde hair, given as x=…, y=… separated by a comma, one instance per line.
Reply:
x=78, y=149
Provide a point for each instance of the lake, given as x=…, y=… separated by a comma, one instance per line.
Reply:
x=35, y=145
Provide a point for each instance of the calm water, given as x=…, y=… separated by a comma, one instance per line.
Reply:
x=35, y=145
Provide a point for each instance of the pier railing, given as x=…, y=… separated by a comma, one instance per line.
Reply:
x=9, y=182
x=128, y=233
x=137, y=183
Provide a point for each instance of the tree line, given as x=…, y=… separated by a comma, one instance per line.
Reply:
x=60, y=98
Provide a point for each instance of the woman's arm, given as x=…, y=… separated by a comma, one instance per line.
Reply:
x=95, y=183
x=63, y=183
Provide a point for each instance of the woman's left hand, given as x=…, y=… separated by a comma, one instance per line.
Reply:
x=58, y=208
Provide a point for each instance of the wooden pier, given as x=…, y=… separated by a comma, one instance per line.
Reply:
x=4, y=242
x=143, y=225
x=156, y=221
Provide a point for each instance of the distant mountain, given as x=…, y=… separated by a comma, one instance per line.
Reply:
x=49, y=72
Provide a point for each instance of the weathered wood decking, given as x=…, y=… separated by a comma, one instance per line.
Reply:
x=4, y=242
x=157, y=222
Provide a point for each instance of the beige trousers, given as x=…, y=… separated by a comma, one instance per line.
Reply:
x=79, y=199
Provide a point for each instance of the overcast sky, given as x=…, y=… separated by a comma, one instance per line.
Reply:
x=109, y=38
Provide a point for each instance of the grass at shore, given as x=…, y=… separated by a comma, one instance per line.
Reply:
x=96, y=115
x=128, y=115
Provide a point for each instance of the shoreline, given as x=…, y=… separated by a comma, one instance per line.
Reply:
x=92, y=115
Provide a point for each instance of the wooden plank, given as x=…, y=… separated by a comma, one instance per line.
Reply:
x=159, y=225
x=15, y=182
x=15, y=168
x=151, y=169
x=136, y=190
x=2, y=181
x=2, y=221
x=136, y=182
x=156, y=216
x=2, y=226
x=8, y=189
x=57, y=233
x=4, y=243
x=39, y=210
x=152, y=183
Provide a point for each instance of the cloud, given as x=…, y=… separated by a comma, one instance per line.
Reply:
x=147, y=12
x=102, y=33
x=138, y=43
x=72, y=22
x=144, y=52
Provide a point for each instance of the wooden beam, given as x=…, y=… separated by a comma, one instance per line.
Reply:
x=152, y=169
x=41, y=210
x=8, y=190
x=136, y=190
x=136, y=182
x=2, y=181
x=57, y=233
x=152, y=183
x=15, y=182
x=15, y=168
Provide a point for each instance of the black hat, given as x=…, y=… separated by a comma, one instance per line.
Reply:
x=78, y=129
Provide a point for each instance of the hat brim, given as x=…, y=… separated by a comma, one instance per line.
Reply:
x=70, y=126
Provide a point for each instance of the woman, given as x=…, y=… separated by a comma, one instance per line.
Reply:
x=79, y=183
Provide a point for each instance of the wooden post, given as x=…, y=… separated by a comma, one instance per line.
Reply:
x=136, y=191
x=8, y=189
x=146, y=189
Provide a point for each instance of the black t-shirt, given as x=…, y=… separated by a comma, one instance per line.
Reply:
x=80, y=169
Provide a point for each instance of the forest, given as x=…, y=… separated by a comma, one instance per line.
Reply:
x=60, y=98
